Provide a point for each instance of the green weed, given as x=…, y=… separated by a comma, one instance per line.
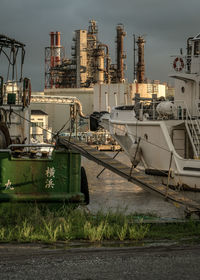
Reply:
x=138, y=232
x=94, y=233
x=41, y=223
x=122, y=231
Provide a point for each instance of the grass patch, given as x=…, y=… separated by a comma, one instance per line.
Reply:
x=175, y=231
x=32, y=223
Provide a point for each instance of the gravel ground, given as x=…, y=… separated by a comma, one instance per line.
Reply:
x=37, y=262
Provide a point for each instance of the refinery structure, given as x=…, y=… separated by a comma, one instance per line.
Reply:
x=90, y=61
x=91, y=76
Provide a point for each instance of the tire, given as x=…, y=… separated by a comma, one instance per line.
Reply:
x=84, y=186
x=5, y=132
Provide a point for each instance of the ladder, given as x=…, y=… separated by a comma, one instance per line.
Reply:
x=193, y=130
x=137, y=177
x=192, y=126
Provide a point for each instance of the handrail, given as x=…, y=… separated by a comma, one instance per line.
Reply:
x=192, y=128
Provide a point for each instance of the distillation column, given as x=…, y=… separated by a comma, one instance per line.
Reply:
x=81, y=57
x=92, y=44
x=120, y=53
x=140, y=64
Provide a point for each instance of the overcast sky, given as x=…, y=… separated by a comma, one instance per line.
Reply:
x=166, y=25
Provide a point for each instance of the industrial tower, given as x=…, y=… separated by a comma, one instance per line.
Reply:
x=90, y=62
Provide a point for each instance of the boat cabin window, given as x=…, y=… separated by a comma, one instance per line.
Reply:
x=197, y=47
x=182, y=89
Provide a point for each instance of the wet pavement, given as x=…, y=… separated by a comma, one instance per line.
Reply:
x=112, y=192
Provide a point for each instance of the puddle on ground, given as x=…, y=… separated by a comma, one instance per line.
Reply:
x=110, y=192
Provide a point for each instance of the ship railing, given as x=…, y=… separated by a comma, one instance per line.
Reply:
x=192, y=124
x=197, y=105
x=147, y=110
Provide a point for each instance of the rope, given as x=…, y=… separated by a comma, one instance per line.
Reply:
x=104, y=167
x=142, y=138
x=133, y=165
x=169, y=174
x=54, y=134
x=57, y=134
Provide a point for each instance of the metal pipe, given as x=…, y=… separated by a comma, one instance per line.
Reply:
x=52, y=39
x=57, y=48
x=80, y=109
x=107, y=61
x=49, y=99
x=52, y=48
x=57, y=39
x=134, y=58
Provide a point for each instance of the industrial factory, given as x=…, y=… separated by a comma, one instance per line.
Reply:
x=91, y=76
x=90, y=62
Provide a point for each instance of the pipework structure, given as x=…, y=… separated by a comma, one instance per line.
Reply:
x=90, y=61
x=92, y=45
x=117, y=69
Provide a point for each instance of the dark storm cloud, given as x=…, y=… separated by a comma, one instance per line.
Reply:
x=165, y=24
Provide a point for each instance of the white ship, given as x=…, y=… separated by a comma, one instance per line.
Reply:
x=165, y=135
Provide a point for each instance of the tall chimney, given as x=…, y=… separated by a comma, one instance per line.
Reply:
x=57, y=48
x=120, y=52
x=140, y=65
x=52, y=48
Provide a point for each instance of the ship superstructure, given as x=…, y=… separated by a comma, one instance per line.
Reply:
x=165, y=135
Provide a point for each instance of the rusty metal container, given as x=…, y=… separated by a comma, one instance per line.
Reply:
x=40, y=179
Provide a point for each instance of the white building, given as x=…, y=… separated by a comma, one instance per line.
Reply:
x=59, y=114
x=100, y=98
x=107, y=96
x=39, y=129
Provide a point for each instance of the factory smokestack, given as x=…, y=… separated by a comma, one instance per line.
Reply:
x=52, y=48
x=120, y=53
x=140, y=65
x=53, y=59
x=57, y=48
